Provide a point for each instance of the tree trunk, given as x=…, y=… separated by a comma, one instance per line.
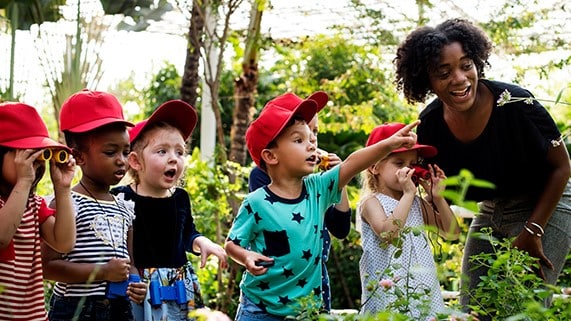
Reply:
x=244, y=93
x=245, y=88
x=191, y=77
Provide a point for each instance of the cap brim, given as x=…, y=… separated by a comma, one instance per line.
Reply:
x=425, y=151
x=36, y=142
x=175, y=112
x=98, y=123
x=321, y=98
x=307, y=110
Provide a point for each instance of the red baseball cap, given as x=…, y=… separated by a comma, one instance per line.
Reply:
x=175, y=112
x=386, y=130
x=320, y=97
x=22, y=127
x=87, y=110
x=274, y=117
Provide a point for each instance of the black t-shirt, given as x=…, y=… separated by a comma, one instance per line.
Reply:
x=511, y=151
x=163, y=229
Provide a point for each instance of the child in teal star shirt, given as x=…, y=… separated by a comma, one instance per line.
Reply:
x=281, y=224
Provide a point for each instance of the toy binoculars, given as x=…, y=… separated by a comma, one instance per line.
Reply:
x=160, y=293
x=419, y=173
x=322, y=160
x=59, y=155
x=119, y=289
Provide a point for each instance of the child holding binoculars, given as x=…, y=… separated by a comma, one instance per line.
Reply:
x=96, y=280
x=25, y=219
x=391, y=210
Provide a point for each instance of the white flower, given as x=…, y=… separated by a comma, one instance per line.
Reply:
x=505, y=97
x=528, y=100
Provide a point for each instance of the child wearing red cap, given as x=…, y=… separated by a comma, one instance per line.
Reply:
x=337, y=216
x=96, y=280
x=277, y=232
x=25, y=218
x=389, y=210
x=164, y=231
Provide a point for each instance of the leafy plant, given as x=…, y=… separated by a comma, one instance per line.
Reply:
x=460, y=185
x=210, y=191
x=511, y=290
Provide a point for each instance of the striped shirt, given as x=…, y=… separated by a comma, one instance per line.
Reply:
x=21, y=279
x=102, y=228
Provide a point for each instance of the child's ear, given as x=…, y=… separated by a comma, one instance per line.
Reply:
x=134, y=161
x=373, y=169
x=269, y=157
x=79, y=159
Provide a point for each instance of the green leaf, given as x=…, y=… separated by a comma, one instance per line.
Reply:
x=482, y=183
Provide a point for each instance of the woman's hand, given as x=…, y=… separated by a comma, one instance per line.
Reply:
x=532, y=245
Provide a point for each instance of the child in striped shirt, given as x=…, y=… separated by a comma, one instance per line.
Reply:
x=25, y=219
x=96, y=280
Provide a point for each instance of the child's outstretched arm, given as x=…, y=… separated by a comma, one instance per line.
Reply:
x=59, y=231
x=337, y=217
x=359, y=160
x=247, y=258
x=441, y=215
x=206, y=247
x=14, y=207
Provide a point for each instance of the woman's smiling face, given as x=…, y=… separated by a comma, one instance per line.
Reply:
x=455, y=79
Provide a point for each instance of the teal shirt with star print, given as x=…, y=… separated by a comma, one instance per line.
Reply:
x=290, y=232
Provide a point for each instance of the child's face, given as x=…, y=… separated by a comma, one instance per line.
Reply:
x=162, y=160
x=105, y=161
x=10, y=172
x=387, y=171
x=295, y=150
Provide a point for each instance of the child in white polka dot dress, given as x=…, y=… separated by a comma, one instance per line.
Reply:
x=390, y=210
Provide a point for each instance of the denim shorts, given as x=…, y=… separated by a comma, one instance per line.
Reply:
x=248, y=311
x=89, y=308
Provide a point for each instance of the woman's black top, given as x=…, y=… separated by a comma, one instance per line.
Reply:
x=510, y=152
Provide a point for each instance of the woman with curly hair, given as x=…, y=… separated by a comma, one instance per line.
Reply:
x=514, y=143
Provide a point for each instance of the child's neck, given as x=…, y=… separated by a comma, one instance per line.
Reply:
x=144, y=190
x=287, y=188
x=95, y=191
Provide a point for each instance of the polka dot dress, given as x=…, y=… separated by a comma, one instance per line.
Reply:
x=414, y=266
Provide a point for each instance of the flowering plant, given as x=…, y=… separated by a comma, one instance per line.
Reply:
x=506, y=97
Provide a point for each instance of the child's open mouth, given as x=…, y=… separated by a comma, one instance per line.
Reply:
x=170, y=173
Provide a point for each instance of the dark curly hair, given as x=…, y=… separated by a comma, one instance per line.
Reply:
x=419, y=54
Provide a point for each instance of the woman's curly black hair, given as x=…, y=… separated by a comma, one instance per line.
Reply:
x=419, y=54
